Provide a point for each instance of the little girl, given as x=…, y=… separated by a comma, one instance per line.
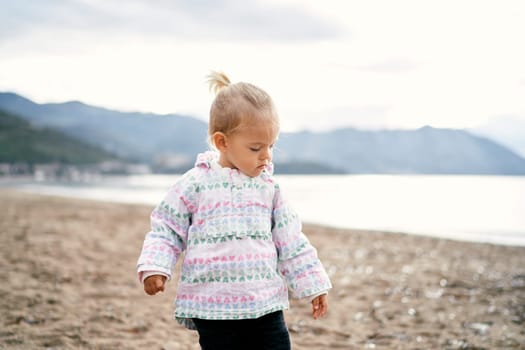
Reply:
x=244, y=249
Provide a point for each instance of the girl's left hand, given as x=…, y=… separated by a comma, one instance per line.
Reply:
x=319, y=306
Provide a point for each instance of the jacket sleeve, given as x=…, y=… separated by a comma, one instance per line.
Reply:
x=166, y=240
x=297, y=258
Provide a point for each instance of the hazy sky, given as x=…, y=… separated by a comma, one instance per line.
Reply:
x=367, y=64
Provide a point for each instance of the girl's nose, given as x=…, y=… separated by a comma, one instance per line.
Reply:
x=266, y=154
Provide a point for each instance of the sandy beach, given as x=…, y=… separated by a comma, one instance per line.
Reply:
x=69, y=282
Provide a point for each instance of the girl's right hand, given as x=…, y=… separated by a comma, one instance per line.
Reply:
x=319, y=306
x=154, y=284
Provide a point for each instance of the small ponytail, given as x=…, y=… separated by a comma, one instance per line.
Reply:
x=217, y=81
x=238, y=103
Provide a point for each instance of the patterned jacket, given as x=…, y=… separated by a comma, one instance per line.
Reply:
x=244, y=248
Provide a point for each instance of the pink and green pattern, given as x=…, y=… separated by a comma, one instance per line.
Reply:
x=244, y=248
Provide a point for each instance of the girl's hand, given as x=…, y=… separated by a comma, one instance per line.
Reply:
x=154, y=284
x=319, y=306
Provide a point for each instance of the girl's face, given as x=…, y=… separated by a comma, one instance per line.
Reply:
x=249, y=149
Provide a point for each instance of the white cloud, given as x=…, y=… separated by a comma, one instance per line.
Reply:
x=390, y=65
x=196, y=20
x=332, y=63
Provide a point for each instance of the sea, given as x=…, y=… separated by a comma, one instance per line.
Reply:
x=488, y=209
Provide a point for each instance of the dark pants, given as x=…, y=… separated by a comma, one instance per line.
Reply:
x=268, y=332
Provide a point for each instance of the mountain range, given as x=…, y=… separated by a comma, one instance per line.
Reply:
x=135, y=136
x=507, y=130
x=22, y=142
x=174, y=140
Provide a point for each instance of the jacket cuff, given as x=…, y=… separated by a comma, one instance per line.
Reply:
x=312, y=297
x=146, y=274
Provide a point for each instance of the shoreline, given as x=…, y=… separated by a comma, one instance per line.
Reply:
x=511, y=239
x=70, y=282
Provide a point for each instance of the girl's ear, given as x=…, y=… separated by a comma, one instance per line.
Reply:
x=220, y=141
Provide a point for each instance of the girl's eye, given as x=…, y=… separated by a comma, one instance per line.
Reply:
x=254, y=149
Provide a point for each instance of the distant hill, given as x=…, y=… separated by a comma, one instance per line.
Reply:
x=423, y=151
x=508, y=130
x=306, y=168
x=170, y=143
x=140, y=136
x=22, y=142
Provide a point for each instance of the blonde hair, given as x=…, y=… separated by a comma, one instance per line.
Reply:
x=238, y=104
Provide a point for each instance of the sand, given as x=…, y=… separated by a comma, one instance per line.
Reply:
x=68, y=282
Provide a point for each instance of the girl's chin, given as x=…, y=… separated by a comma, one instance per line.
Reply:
x=256, y=172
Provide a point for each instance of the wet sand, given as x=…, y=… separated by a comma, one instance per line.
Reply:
x=68, y=282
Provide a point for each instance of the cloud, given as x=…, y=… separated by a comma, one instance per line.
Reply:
x=205, y=19
x=368, y=116
x=25, y=16
x=391, y=65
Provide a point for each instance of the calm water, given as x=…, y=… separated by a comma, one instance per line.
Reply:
x=476, y=208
